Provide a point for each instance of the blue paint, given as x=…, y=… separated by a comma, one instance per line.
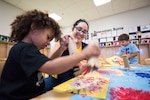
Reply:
x=144, y=75
x=126, y=70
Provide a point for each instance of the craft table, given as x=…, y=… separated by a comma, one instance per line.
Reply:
x=133, y=84
x=54, y=95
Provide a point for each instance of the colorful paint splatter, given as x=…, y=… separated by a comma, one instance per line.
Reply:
x=124, y=84
x=121, y=93
x=115, y=61
x=90, y=86
x=110, y=72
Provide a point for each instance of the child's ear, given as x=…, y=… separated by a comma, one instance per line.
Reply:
x=32, y=26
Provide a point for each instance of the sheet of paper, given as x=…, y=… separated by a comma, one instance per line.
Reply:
x=91, y=86
x=103, y=34
x=114, y=33
x=109, y=33
x=115, y=61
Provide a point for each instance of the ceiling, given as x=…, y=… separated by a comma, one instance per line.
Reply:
x=72, y=10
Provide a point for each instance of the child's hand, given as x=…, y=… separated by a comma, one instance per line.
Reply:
x=82, y=69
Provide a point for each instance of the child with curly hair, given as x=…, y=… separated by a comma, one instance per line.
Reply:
x=22, y=78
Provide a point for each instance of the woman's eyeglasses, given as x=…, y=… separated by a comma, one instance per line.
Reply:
x=80, y=29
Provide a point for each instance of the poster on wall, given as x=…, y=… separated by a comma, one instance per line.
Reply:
x=103, y=40
x=109, y=39
x=145, y=28
x=133, y=30
x=103, y=34
x=109, y=33
x=99, y=35
x=119, y=32
x=114, y=33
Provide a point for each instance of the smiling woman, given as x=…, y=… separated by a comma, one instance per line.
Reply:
x=79, y=32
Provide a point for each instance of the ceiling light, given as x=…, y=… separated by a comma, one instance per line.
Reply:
x=55, y=16
x=100, y=2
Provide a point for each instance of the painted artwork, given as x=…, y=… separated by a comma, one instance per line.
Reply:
x=90, y=86
x=115, y=61
x=112, y=72
x=133, y=85
x=121, y=93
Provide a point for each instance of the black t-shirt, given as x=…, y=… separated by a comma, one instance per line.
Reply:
x=20, y=78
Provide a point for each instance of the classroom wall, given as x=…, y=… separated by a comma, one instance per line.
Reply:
x=7, y=15
x=126, y=20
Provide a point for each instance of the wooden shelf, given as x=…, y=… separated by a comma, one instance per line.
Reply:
x=6, y=46
x=6, y=42
x=109, y=46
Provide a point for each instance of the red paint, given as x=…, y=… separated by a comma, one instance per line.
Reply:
x=121, y=93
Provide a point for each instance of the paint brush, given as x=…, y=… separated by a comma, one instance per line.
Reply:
x=94, y=68
x=94, y=62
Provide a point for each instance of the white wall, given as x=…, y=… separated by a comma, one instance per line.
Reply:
x=7, y=15
x=128, y=19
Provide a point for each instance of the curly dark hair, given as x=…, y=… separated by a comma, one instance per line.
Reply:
x=78, y=21
x=38, y=19
x=123, y=37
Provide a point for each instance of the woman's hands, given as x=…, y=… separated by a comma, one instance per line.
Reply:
x=64, y=42
x=89, y=51
x=59, y=47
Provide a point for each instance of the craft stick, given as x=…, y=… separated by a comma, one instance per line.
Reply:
x=126, y=62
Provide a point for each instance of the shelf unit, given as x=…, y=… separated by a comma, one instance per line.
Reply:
x=4, y=49
x=5, y=46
